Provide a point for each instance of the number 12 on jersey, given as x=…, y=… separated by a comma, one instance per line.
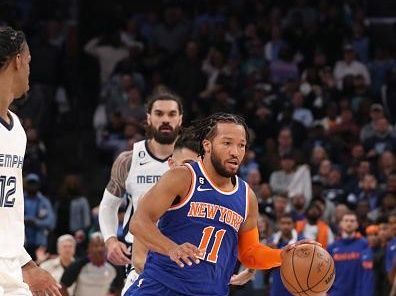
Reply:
x=207, y=234
x=7, y=189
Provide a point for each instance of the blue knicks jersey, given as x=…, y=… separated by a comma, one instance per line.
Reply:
x=209, y=219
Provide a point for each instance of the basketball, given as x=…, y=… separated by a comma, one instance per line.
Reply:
x=307, y=270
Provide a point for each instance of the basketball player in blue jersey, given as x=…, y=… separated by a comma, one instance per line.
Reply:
x=18, y=273
x=195, y=246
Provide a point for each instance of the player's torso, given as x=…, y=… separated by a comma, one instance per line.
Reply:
x=209, y=219
x=144, y=172
x=12, y=152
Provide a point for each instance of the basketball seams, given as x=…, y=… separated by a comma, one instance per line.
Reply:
x=310, y=266
x=295, y=275
x=310, y=289
x=322, y=279
x=295, y=290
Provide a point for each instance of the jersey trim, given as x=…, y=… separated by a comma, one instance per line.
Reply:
x=190, y=192
x=152, y=155
x=7, y=125
x=247, y=200
x=201, y=166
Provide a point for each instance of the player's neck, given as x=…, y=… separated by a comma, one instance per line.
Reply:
x=160, y=151
x=221, y=182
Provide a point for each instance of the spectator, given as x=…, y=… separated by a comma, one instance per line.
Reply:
x=300, y=113
x=298, y=207
x=368, y=130
x=280, y=180
x=72, y=210
x=109, y=50
x=386, y=165
x=368, y=191
x=39, y=216
x=286, y=235
x=350, y=66
x=348, y=254
x=283, y=69
x=273, y=47
x=312, y=227
x=390, y=259
x=66, y=248
x=382, y=139
x=378, y=250
x=91, y=275
x=36, y=154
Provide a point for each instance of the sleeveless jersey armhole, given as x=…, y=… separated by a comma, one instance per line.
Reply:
x=190, y=192
x=247, y=200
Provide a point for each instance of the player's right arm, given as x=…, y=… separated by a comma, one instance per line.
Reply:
x=117, y=251
x=176, y=182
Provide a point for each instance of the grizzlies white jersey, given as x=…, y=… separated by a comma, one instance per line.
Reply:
x=12, y=152
x=144, y=172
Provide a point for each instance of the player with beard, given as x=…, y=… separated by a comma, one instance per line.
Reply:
x=18, y=273
x=134, y=172
x=194, y=247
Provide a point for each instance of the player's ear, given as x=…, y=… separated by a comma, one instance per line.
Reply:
x=171, y=162
x=148, y=119
x=207, y=145
x=17, y=61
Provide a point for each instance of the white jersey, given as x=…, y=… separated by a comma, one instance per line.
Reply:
x=145, y=171
x=12, y=152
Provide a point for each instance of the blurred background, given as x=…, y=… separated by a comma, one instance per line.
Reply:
x=315, y=81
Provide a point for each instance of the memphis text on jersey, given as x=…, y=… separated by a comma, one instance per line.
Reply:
x=11, y=161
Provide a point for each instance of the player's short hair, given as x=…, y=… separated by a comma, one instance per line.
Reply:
x=11, y=43
x=162, y=93
x=206, y=128
x=187, y=140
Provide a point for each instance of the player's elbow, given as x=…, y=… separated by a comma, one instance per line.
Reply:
x=136, y=225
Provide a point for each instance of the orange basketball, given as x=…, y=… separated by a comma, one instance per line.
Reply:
x=307, y=270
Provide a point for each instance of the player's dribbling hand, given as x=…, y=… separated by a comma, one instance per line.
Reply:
x=301, y=242
x=40, y=282
x=117, y=252
x=185, y=254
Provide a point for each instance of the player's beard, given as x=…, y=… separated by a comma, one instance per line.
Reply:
x=219, y=167
x=164, y=138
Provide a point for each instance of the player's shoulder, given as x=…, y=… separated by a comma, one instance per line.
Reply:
x=123, y=156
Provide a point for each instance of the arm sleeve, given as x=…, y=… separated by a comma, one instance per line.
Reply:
x=24, y=257
x=254, y=255
x=108, y=219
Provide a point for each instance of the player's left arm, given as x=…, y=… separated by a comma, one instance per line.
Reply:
x=251, y=252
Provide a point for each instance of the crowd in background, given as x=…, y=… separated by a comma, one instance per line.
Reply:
x=315, y=81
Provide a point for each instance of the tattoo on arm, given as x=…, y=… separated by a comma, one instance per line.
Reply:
x=119, y=174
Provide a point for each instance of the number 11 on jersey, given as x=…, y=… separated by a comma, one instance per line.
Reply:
x=207, y=234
